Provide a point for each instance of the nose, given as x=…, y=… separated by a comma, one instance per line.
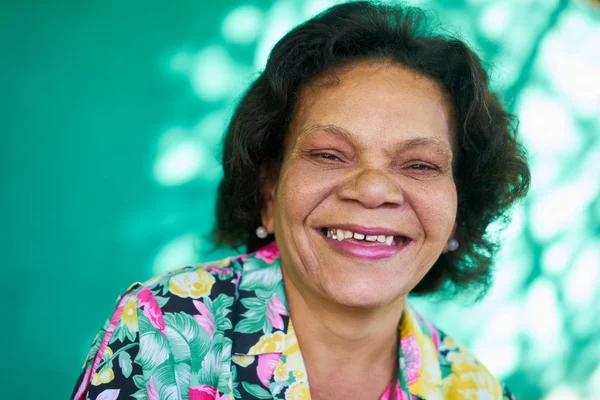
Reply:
x=372, y=188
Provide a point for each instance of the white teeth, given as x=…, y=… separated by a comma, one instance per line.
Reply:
x=381, y=238
x=359, y=236
x=371, y=238
x=389, y=240
x=347, y=234
x=340, y=235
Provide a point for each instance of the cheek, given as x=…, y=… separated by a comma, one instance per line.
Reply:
x=301, y=189
x=436, y=209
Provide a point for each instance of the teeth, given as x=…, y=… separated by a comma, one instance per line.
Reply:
x=340, y=234
x=359, y=236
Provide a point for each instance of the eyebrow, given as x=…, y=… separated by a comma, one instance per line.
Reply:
x=438, y=146
x=335, y=130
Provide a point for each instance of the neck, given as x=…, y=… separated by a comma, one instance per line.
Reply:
x=331, y=335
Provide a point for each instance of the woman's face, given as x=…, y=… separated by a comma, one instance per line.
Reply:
x=368, y=158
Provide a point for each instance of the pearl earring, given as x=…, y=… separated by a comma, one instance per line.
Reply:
x=261, y=232
x=452, y=244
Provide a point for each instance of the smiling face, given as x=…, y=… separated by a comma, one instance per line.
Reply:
x=369, y=156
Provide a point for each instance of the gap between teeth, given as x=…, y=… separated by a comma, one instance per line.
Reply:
x=340, y=235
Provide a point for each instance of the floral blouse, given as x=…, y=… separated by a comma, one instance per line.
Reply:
x=222, y=331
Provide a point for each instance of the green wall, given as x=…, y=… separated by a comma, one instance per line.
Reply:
x=111, y=117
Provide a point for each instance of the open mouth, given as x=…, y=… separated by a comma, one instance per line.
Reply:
x=363, y=239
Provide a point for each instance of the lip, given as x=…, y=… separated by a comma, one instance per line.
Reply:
x=367, y=251
x=366, y=230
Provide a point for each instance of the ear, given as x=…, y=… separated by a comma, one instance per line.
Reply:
x=268, y=186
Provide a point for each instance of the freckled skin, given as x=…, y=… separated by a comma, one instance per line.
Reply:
x=370, y=177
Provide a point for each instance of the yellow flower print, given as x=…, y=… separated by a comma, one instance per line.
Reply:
x=281, y=373
x=129, y=316
x=300, y=375
x=104, y=376
x=428, y=384
x=242, y=360
x=297, y=391
x=295, y=364
x=421, y=356
x=470, y=380
x=271, y=343
x=107, y=352
x=450, y=343
x=194, y=284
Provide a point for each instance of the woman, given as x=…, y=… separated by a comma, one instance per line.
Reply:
x=365, y=163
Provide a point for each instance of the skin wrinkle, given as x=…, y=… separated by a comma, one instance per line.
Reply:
x=383, y=118
x=440, y=148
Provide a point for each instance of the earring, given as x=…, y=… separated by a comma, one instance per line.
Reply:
x=261, y=232
x=452, y=244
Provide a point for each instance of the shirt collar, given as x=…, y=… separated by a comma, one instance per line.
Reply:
x=261, y=325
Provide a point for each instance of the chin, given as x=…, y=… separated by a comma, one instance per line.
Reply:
x=367, y=298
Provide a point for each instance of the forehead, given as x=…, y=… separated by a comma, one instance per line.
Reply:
x=375, y=99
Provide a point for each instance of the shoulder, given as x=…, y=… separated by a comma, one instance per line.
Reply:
x=463, y=374
x=194, y=281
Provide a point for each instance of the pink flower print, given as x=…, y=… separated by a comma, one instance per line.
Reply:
x=275, y=309
x=412, y=358
x=109, y=394
x=151, y=390
x=399, y=394
x=82, y=389
x=435, y=336
x=266, y=367
x=236, y=280
x=151, y=309
x=218, y=270
x=109, y=331
x=241, y=257
x=205, y=392
x=268, y=253
x=206, y=319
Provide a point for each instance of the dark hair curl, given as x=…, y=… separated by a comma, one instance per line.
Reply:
x=491, y=171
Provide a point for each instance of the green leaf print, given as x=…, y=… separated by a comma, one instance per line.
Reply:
x=249, y=326
x=162, y=301
x=221, y=306
x=277, y=387
x=183, y=375
x=186, y=339
x=125, y=364
x=225, y=372
x=255, y=318
x=257, y=390
x=165, y=381
x=140, y=382
x=154, y=346
x=141, y=394
x=119, y=334
x=211, y=364
x=259, y=275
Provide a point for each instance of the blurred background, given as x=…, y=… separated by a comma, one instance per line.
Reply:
x=112, y=115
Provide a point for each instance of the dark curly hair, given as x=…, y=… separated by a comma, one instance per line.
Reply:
x=491, y=171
